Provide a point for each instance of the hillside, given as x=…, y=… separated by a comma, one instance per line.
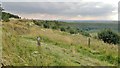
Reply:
x=58, y=48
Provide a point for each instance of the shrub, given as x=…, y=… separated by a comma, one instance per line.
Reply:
x=68, y=28
x=84, y=33
x=54, y=27
x=72, y=31
x=5, y=17
x=109, y=36
x=46, y=25
x=62, y=29
x=38, y=23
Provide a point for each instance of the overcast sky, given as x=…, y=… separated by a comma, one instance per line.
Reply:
x=64, y=10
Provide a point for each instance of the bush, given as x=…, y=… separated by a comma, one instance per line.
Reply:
x=38, y=23
x=109, y=36
x=72, y=31
x=85, y=34
x=68, y=28
x=46, y=25
x=62, y=29
x=54, y=27
x=5, y=17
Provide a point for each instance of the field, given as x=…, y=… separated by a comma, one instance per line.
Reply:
x=57, y=48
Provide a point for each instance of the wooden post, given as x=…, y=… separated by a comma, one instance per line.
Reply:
x=38, y=41
x=89, y=42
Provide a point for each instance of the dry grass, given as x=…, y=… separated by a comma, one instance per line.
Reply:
x=63, y=37
x=19, y=43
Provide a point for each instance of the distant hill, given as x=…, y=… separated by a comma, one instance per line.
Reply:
x=89, y=21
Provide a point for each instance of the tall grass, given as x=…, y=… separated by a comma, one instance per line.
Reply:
x=58, y=48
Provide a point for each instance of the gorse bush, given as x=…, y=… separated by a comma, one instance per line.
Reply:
x=109, y=36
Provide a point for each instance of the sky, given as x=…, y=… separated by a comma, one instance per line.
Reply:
x=63, y=10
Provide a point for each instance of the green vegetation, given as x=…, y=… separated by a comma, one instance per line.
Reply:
x=6, y=16
x=85, y=33
x=62, y=45
x=59, y=25
x=62, y=29
x=20, y=47
x=109, y=36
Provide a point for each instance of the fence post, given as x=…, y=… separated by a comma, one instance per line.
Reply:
x=89, y=42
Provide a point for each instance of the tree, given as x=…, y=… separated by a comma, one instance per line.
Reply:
x=109, y=36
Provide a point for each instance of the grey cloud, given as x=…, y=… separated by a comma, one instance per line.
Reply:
x=60, y=8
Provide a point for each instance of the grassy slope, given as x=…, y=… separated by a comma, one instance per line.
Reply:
x=0, y=43
x=58, y=48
